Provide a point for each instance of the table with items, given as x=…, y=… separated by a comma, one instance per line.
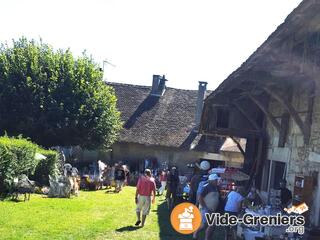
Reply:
x=257, y=231
x=265, y=232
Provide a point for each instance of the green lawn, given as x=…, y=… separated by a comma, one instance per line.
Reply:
x=92, y=215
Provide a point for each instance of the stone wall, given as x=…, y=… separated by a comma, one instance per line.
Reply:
x=301, y=159
x=133, y=153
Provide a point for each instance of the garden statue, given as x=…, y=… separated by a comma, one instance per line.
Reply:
x=22, y=185
x=75, y=181
x=59, y=187
x=67, y=169
x=64, y=186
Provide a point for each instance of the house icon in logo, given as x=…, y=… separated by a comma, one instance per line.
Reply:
x=186, y=219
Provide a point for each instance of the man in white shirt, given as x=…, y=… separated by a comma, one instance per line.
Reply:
x=233, y=206
x=234, y=202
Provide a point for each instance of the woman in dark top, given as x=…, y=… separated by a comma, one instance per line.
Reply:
x=172, y=186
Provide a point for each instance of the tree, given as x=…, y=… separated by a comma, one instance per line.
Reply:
x=54, y=98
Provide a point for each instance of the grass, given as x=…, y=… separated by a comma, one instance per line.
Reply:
x=92, y=215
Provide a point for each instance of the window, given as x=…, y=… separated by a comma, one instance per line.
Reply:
x=277, y=174
x=265, y=176
x=273, y=175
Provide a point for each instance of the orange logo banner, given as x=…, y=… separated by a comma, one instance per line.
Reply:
x=185, y=218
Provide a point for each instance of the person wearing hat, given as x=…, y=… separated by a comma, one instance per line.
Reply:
x=196, y=179
x=208, y=201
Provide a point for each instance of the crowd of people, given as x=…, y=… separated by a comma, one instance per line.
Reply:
x=116, y=176
x=204, y=192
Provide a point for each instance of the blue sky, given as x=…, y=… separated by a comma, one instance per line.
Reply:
x=186, y=40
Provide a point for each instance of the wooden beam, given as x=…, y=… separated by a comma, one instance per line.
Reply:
x=219, y=105
x=290, y=109
x=262, y=151
x=238, y=145
x=246, y=115
x=264, y=109
x=260, y=157
x=233, y=132
x=284, y=129
x=204, y=116
x=308, y=120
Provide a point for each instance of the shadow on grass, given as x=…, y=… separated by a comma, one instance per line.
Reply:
x=127, y=229
x=13, y=198
x=168, y=233
x=111, y=192
x=166, y=230
x=3, y=196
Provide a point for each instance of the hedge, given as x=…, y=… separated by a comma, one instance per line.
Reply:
x=17, y=156
x=46, y=167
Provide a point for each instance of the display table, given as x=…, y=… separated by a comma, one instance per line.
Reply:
x=250, y=232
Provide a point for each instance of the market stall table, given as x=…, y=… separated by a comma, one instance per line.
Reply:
x=251, y=232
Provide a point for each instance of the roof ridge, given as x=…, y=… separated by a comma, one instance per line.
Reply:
x=149, y=87
x=127, y=84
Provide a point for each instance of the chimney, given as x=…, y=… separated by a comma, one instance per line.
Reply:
x=158, y=85
x=201, y=93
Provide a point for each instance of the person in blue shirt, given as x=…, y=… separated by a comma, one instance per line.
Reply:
x=202, y=183
x=208, y=201
x=234, y=201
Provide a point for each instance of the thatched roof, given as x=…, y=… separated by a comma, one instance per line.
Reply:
x=167, y=121
x=291, y=52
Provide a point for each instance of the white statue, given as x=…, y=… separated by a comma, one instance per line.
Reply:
x=60, y=187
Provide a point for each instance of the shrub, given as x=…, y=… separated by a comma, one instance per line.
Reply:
x=46, y=167
x=16, y=157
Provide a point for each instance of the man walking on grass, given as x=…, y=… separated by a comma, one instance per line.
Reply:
x=119, y=177
x=145, y=194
